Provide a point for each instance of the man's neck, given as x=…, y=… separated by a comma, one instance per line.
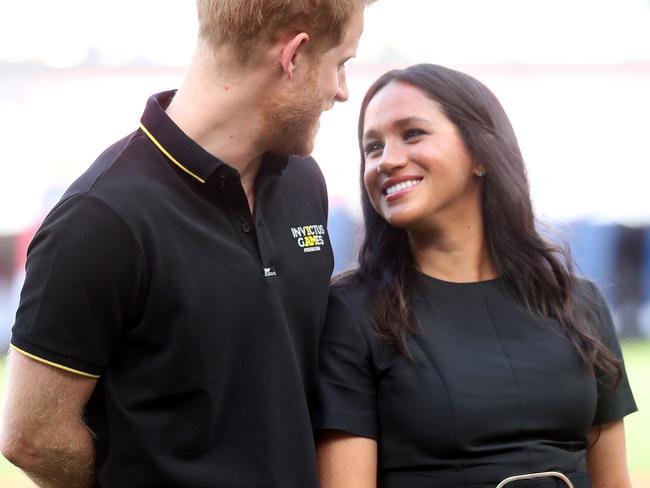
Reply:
x=220, y=112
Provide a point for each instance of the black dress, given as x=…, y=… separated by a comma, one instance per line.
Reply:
x=493, y=392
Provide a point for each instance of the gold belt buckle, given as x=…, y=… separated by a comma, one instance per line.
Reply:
x=532, y=476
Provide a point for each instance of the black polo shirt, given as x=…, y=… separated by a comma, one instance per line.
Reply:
x=200, y=321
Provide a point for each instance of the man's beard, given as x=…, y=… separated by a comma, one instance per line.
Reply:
x=290, y=122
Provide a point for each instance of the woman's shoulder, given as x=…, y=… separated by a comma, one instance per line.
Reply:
x=349, y=301
x=350, y=286
x=588, y=294
x=586, y=288
x=592, y=303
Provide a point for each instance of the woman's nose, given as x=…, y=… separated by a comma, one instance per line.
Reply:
x=393, y=158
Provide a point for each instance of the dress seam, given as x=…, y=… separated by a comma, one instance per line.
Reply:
x=514, y=376
x=419, y=339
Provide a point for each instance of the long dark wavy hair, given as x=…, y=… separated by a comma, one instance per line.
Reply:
x=537, y=272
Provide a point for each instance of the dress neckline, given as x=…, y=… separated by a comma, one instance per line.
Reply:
x=431, y=279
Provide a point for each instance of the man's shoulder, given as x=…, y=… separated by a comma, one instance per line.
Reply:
x=110, y=167
x=123, y=176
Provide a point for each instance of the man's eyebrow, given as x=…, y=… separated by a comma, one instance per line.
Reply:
x=405, y=122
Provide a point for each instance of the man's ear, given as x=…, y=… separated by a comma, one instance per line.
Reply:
x=290, y=50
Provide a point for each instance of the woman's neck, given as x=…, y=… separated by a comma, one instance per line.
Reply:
x=455, y=252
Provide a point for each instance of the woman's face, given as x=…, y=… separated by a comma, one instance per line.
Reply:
x=418, y=174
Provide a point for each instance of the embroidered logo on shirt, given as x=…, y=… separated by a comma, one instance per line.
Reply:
x=309, y=237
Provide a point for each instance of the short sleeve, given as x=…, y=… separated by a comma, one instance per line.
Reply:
x=346, y=386
x=81, y=286
x=613, y=403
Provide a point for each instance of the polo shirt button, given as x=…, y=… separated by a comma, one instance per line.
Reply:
x=223, y=173
x=245, y=227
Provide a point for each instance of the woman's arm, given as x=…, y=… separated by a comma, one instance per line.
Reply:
x=606, y=459
x=346, y=460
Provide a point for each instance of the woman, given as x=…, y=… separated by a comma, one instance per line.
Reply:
x=463, y=350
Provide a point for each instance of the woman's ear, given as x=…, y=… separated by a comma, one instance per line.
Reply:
x=479, y=169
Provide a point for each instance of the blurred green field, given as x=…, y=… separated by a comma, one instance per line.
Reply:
x=637, y=425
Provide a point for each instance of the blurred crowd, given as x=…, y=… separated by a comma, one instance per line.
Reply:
x=615, y=256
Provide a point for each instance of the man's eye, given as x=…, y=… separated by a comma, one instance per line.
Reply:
x=372, y=148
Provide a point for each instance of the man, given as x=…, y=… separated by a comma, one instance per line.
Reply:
x=168, y=327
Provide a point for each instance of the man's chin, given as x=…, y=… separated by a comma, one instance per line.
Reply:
x=298, y=146
x=293, y=149
x=297, y=138
x=306, y=146
x=305, y=149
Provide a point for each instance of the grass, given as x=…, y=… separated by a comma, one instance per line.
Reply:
x=637, y=425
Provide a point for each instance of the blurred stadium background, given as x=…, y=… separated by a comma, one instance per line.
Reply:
x=574, y=76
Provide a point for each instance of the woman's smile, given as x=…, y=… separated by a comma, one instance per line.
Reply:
x=395, y=189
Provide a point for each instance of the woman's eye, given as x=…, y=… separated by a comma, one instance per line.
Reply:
x=410, y=133
x=372, y=148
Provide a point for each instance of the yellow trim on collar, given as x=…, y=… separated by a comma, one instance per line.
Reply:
x=166, y=153
x=50, y=363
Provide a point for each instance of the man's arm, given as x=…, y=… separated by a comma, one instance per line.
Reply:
x=43, y=432
x=606, y=459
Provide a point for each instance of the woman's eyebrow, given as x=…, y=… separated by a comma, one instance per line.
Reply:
x=411, y=120
x=405, y=122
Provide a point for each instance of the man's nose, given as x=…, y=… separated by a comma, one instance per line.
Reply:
x=342, y=93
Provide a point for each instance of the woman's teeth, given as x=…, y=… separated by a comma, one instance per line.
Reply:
x=401, y=186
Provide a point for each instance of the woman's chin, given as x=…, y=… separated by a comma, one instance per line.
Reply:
x=400, y=220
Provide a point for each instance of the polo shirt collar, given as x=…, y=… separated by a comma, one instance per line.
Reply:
x=182, y=151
